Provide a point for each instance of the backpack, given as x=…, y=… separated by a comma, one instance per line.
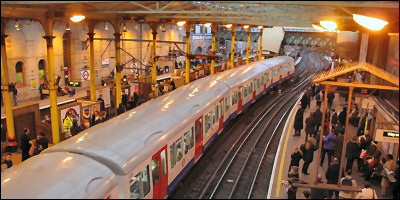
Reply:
x=347, y=181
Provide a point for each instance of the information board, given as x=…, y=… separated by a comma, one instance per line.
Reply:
x=387, y=135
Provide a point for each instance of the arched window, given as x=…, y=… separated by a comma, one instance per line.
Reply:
x=42, y=68
x=19, y=73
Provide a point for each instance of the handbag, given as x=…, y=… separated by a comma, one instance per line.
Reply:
x=363, y=153
x=31, y=150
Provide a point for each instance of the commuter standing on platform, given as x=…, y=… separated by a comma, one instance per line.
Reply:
x=304, y=101
x=25, y=145
x=310, y=126
x=102, y=105
x=41, y=140
x=327, y=147
x=332, y=176
x=318, y=98
x=124, y=98
x=308, y=154
x=334, y=119
x=337, y=149
x=347, y=181
x=352, y=152
x=293, y=178
x=367, y=192
x=120, y=109
x=298, y=121
x=309, y=94
x=318, y=119
x=317, y=193
x=295, y=158
x=342, y=116
x=330, y=97
x=14, y=90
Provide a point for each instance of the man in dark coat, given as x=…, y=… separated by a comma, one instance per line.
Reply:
x=342, y=116
x=298, y=121
x=334, y=119
x=337, y=149
x=309, y=94
x=332, y=176
x=330, y=97
x=318, y=193
x=120, y=109
x=42, y=141
x=318, y=119
x=310, y=126
x=25, y=145
x=124, y=98
x=102, y=105
x=304, y=101
x=352, y=152
x=308, y=154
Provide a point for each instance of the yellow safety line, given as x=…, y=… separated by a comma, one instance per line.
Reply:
x=278, y=183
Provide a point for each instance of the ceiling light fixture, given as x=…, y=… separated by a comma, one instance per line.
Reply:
x=16, y=25
x=68, y=29
x=260, y=27
x=106, y=27
x=228, y=25
x=246, y=26
x=371, y=23
x=207, y=25
x=181, y=23
x=124, y=28
x=77, y=18
x=318, y=28
x=329, y=25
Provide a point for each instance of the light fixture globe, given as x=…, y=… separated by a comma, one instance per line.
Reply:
x=77, y=18
x=329, y=25
x=370, y=22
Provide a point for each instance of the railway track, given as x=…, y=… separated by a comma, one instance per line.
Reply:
x=237, y=174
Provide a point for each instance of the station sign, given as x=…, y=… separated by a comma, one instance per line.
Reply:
x=74, y=83
x=387, y=136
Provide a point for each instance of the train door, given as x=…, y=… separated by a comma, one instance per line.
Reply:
x=221, y=113
x=280, y=74
x=264, y=81
x=240, y=99
x=253, y=87
x=160, y=173
x=199, y=138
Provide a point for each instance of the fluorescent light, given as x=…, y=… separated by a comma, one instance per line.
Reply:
x=260, y=27
x=77, y=18
x=181, y=23
x=318, y=28
x=329, y=25
x=370, y=22
x=246, y=26
x=207, y=25
x=228, y=25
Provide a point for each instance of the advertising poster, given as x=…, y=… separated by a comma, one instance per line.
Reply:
x=104, y=93
x=75, y=111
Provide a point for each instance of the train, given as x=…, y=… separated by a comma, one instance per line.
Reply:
x=146, y=151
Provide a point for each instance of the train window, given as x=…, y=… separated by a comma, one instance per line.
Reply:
x=199, y=129
x=189, y=141
x=258, y=83
x=154, y=169
x=208, y=121
x=214, y=115
x=263, y=79
x=146, y=180
x=220, y=109
x=240, y=94
x=245, y=91
x=164, y=160
x=227, y=104
x=172, y=154
x=136, y=187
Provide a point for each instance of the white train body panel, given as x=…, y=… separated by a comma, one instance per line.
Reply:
x=130, y=146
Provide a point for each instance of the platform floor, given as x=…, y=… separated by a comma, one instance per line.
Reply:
x=288, y=142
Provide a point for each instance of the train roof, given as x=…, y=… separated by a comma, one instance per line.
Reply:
x=125, y=141
x=69, y=172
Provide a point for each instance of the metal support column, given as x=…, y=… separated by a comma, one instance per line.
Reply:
x=53, y=96
x=233, y=44
x=153, y=58
x=6, y=92
x=345, y=134
x=322, y=131
x=213, y=31
x=260, y=49
x=187, y=68
x=248, y=45
x=118, y=66
x=91, y=67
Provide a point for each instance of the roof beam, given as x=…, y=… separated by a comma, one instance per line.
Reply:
x=368, y=4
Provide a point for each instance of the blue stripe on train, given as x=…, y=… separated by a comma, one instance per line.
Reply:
x=178, y=178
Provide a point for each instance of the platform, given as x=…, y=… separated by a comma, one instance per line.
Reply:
x=288, y=142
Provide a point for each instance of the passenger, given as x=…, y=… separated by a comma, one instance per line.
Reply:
x=102, y=105
x=317, y=193
x=318, y=98
x=47, y=119
x=309, y=94
x=96, y=117
x=103, y=116
x=327, y=148
x=75, y=129
x=367, y=192
x=124, y=98
x=337, y=149
x=25, y=145
x=330, y=97
x=327, y=120
x=7, y=159
x=35, y=148
x=310, y=126
x=387, y=178
x=120, y=109
x=298, y=121
x=334, y=119
x=347, y=181
x=296, y=156
x=293, y=178
x=304, y=101
x=352, y=152
x=67, y=124
x=3, y=167
x=342, y=116
x=42, y=141
x=318, y=119
x=308, y=154
x=131, y=104
x=332, y=176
